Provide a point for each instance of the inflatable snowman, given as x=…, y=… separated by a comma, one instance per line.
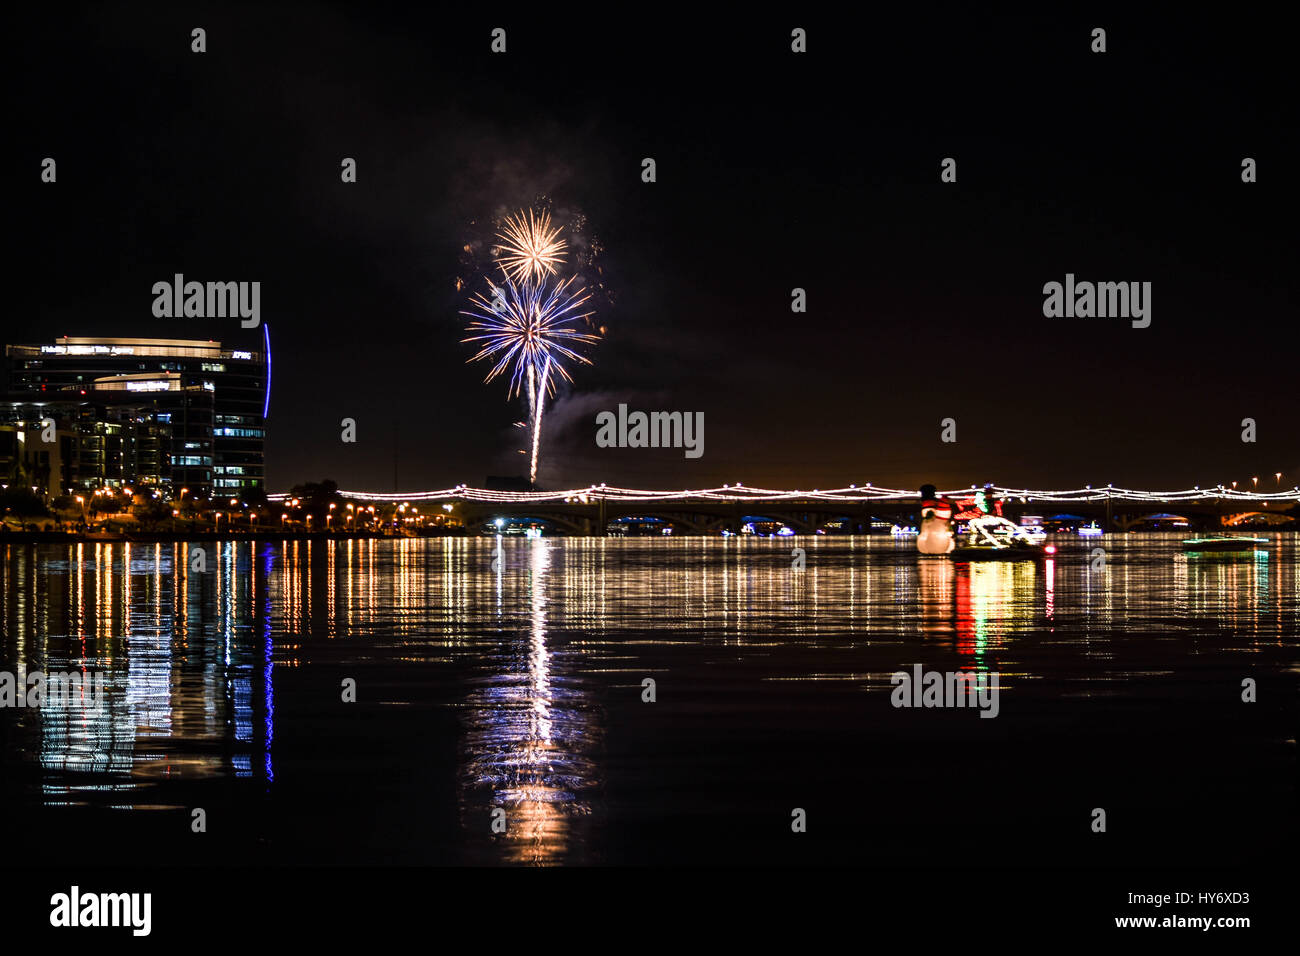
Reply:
x=936, y=535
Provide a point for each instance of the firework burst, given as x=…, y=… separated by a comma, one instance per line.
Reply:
x=525, y=326
x=529, y=330
x=530, y=247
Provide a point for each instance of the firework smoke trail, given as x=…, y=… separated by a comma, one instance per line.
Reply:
x=527, y=328
x=532, y=397
x=537, y=422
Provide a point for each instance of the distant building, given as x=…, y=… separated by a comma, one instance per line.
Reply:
x=114, y=442
x=212, y=400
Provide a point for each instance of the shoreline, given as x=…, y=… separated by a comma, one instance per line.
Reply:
x=163, y=537
x=267, y=534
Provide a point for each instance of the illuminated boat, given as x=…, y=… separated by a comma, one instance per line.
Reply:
x=1090, y=531
x=1218, y=543
x=994, y=538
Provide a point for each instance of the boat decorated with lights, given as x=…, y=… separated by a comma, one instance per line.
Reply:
x=995, y=538
x=1221, y=543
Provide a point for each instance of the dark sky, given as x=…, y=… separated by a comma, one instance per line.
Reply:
x=774, y=171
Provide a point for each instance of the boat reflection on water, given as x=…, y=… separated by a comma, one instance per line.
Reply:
x=1212, y=583
x=995, y=601
x=978, y=608
x=530, y=737
x=935, y=601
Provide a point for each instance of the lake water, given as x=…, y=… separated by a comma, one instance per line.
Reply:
x=509, y=674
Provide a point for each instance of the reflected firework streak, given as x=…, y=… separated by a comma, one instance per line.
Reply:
x=529, y=736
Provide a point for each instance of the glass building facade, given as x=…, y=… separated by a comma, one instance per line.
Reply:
x=212, y=398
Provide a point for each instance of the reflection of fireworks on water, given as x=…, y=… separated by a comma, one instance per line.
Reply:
x=527, y=324
x=531, y=731
x=531, y=247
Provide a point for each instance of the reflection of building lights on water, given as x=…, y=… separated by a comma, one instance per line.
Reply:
x=175, y=692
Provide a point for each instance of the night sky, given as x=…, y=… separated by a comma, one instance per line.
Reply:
x=775, y=171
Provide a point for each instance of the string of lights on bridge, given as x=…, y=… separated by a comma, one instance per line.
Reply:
x=853, y=493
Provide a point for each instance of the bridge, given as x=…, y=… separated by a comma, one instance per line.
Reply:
x=590, y=510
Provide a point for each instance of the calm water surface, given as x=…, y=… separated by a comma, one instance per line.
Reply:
x=510, y=674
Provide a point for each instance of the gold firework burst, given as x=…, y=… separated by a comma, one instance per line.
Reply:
x=531, y=247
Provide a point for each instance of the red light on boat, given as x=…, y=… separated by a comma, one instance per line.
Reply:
x=1050, y=549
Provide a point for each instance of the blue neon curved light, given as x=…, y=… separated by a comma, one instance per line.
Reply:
x=266, y=404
